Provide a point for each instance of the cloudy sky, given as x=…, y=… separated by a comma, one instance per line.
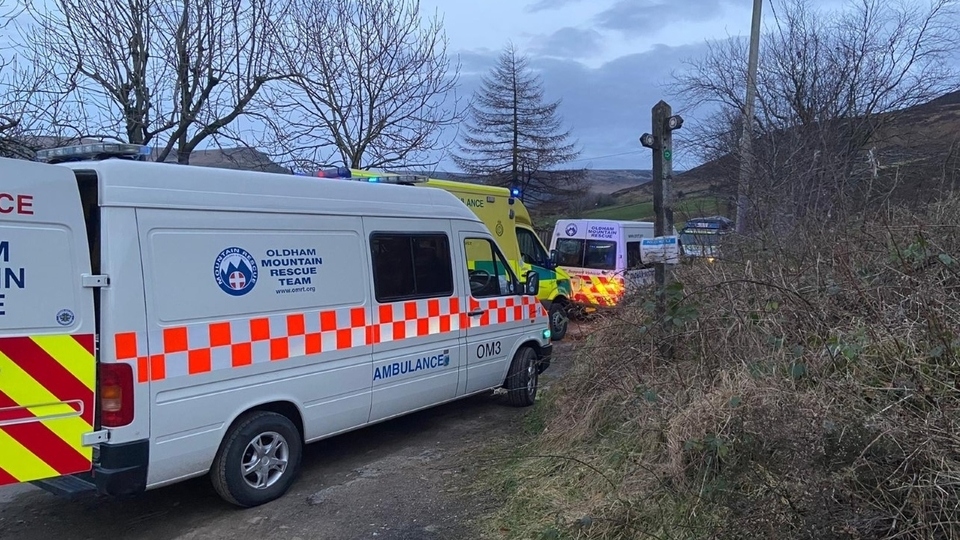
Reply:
x=608, y=60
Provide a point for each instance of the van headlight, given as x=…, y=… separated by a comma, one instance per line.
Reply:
x=546, y=334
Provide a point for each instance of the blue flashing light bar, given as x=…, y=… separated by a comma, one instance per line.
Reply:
x=338, y=172
x=380, y=178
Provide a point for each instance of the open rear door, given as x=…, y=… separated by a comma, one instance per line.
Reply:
x=47, y=325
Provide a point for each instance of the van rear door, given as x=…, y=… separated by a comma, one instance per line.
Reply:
x=47, y=326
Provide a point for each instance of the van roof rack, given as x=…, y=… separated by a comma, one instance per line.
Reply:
x=93, y=152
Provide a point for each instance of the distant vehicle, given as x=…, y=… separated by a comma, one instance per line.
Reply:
x=602, y=257
x=701, y=237
x=509, y=222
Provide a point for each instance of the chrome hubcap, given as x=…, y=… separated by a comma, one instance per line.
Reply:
x=265, y=460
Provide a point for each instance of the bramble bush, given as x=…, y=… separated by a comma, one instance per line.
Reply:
x=808, y=388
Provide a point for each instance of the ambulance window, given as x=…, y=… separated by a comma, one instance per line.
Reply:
x=570, y=252
x=530, y=248
x=411, y=266
x=488, y=270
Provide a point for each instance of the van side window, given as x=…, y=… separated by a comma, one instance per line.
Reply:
x=633, y=256
x=570, y=252
x=488, y=270
x=530, y=248
x=411, y=266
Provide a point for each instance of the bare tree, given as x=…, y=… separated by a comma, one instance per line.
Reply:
x=375, y=86
x=514, y=136
x=106, y=59
x=828, y=86
x=170, y=72
x=21, y=82
x=224, y=52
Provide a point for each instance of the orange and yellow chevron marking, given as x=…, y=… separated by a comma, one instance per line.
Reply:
x=599, y=290
x=46, y=405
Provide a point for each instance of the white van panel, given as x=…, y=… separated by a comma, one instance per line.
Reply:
x=290, y=270
x=497, y=323
x=418, y=354
x=123, y=314
x=47, y=326
x=25, y=270
x=227, y=347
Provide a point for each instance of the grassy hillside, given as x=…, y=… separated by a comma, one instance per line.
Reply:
x=922, y=143
x=683, y=210
x=811, y=393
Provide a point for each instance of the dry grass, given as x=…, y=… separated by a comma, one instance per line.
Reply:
x=813, y=391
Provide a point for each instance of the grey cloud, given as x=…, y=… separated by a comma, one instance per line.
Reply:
x=646, y=15
x=544, y=5
x=477, y=61
x=571, y=42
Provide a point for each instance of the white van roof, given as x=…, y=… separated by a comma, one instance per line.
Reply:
x=165, y=185
x=619, y=222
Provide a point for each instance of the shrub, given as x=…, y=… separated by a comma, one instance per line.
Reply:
x=807, y=388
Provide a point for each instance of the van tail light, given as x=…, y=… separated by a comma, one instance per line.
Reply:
x=116, y=394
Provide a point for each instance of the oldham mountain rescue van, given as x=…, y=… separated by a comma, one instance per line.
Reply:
x=603, y=258
x=509, y=222
x=161, y=322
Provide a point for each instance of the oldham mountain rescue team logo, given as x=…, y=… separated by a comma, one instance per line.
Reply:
x=235, y=271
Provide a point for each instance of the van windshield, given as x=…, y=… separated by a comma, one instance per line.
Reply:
x=700, y=239
x=593, y=254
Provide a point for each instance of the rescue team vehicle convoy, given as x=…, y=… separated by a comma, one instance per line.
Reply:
x=162, y=322
x=509, y=221
x=603, y=257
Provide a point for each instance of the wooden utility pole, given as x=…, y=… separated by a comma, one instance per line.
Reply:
x=661, y=142
x=746, y=139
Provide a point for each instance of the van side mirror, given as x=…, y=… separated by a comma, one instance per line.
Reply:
x=551, y=262
x=532, y=285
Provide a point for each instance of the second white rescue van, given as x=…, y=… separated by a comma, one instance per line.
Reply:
x=160, y=322
x=603, y=258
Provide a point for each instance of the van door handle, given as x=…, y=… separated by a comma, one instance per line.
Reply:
x=476, y=312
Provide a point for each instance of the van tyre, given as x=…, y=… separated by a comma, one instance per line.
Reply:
x=523, y=379
x=258, y=460
x=559, y=320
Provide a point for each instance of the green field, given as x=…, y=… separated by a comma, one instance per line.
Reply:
x=644, y=210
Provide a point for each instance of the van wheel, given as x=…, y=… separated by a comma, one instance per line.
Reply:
x=258, y=459
x=558, y=320
x=523, y=378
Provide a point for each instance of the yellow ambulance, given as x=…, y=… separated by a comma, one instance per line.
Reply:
x=509, y=221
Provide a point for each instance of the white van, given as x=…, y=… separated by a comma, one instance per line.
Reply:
x=161, y=322
x=602, y=257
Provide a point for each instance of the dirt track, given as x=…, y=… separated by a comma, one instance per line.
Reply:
x=400, y=480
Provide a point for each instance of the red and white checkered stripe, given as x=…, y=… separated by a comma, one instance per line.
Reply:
x=201, y=348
